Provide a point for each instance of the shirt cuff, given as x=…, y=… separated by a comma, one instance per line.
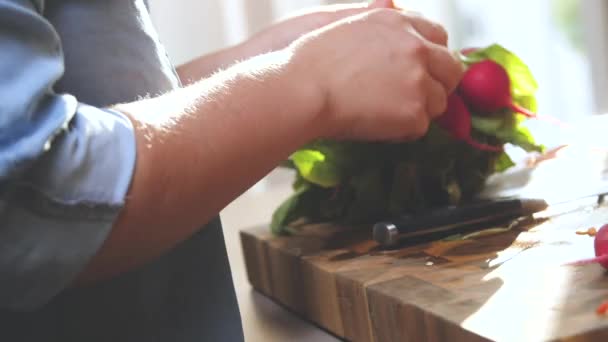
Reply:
x=56, y=217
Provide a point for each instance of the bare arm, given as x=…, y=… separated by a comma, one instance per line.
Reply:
x=201, y=146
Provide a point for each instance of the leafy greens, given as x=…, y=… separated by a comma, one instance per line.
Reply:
x=359, y=182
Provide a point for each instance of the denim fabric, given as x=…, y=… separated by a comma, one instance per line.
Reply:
x=57, y=155
x=66, y=161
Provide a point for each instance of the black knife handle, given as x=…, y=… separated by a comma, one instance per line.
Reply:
x=388, y=233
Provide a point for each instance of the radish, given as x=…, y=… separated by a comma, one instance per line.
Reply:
x=457, y=122
x=600, y=244
x=486, y=87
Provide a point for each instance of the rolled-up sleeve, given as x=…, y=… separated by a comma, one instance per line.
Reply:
x=65, y=167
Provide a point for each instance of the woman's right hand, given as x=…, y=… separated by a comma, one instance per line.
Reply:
x=381, y=75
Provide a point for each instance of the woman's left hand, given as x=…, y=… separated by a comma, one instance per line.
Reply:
x=281, y=34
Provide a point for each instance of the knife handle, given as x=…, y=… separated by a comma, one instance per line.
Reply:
x=388, y=233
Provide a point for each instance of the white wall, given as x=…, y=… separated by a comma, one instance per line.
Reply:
x=189, y=28
x=193, y=27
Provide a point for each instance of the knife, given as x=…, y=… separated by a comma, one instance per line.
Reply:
x=454, y=219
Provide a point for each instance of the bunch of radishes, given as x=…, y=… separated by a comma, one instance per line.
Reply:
x=485, y=89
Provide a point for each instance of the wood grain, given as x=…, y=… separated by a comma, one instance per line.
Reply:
x=507, y=287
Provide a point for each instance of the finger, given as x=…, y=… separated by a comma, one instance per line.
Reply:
x=437, y=98
x=341, y=11
x=337, y=12
x=444, y=67
x=382, y=4
x=428, y=29
x=329, y=13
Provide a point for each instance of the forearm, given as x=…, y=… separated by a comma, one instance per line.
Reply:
x=198, y=149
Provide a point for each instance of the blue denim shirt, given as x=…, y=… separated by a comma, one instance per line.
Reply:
x=66, y=162
x=65, y=166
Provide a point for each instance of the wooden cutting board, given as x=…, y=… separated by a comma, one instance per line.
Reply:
x=506, y=287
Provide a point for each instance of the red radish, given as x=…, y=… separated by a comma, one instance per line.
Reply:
x=486, y=87
x=457, y=121
x=600, y=244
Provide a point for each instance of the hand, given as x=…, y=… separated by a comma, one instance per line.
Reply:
x=283, y=33
x=381, y=75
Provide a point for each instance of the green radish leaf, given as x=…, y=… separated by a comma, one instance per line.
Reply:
x=326, y=162
x=314, y=166
x=299, y=182
x=526, y=101
x=405, y=188
x=286, y=212
x=371, y=196
x=503, y=162
x=302, y=203
x=487, y=124
x=523, y=138
x=507, y=128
